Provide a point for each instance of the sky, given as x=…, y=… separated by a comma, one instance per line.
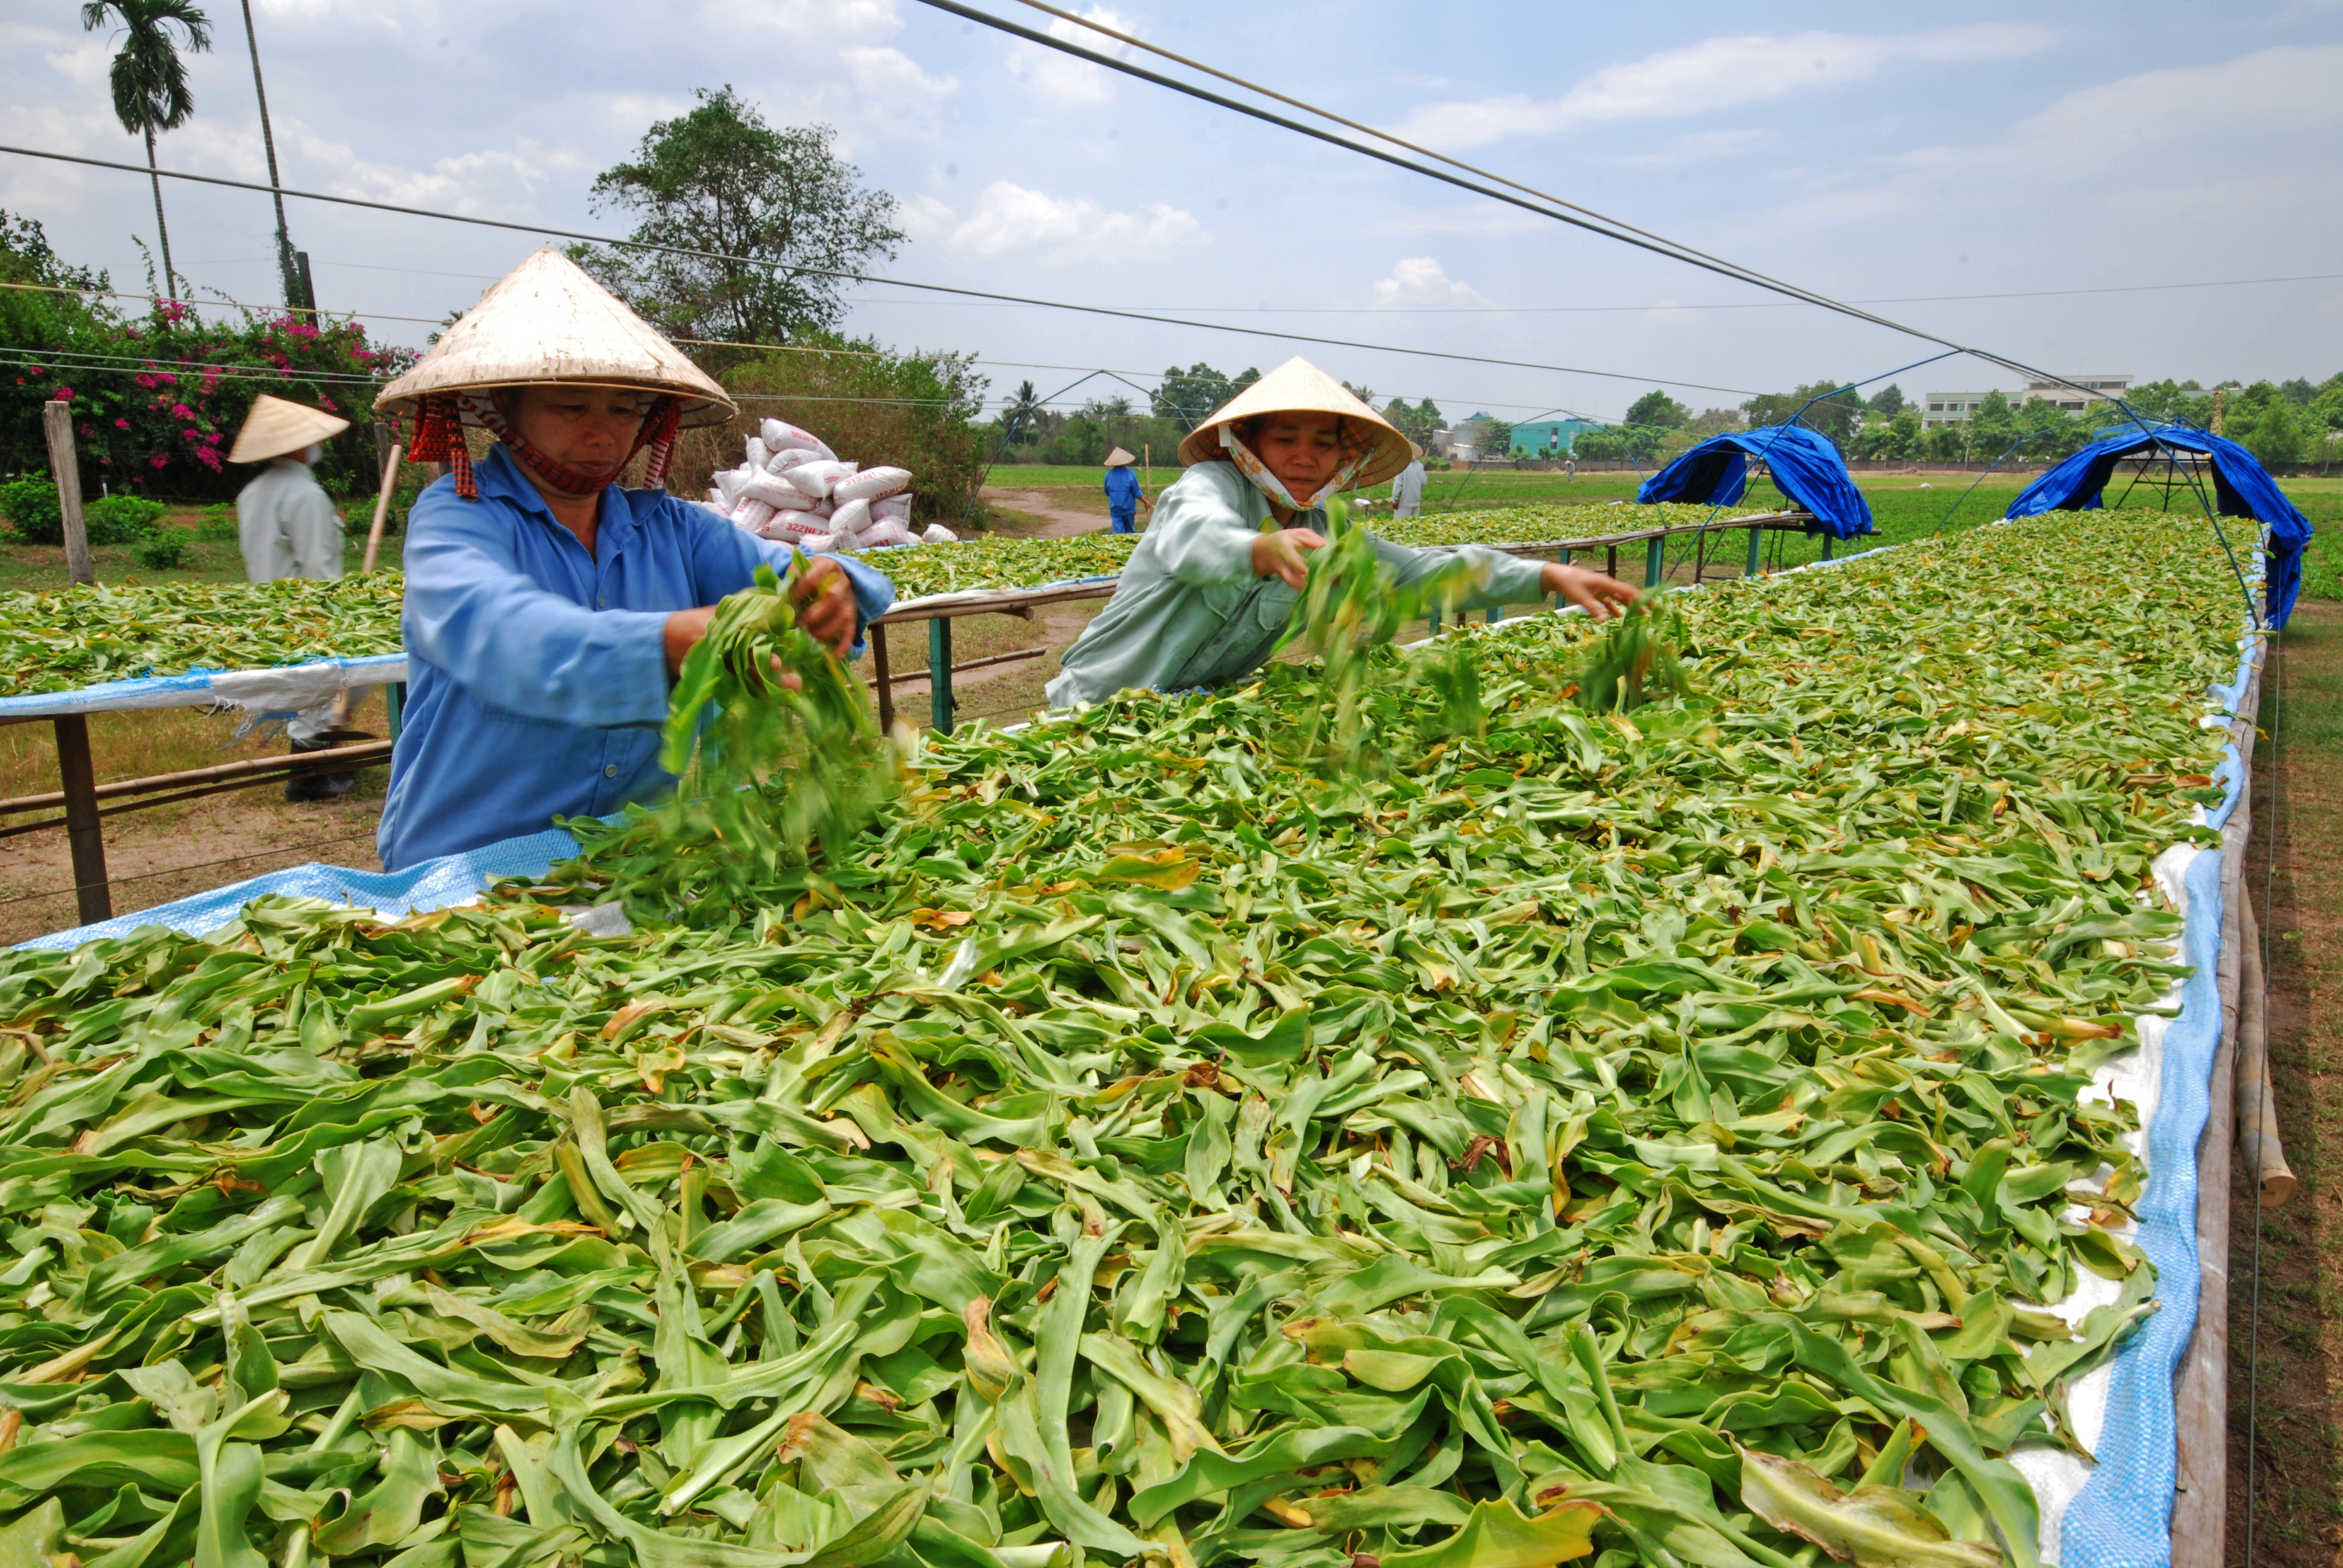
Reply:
x=2013, y=177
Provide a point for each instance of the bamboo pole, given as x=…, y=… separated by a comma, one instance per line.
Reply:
x=381, y=510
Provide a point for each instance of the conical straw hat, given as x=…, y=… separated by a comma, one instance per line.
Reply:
x=1299, y=386
x=547, y=321
x=1118, y=459
x=275, y=428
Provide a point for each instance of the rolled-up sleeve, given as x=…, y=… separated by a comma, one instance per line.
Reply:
x=472, y=611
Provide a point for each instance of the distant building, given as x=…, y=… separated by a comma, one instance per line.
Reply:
x=1959, y=408
x=2086, y=391
x=1550, y=438
x=1463, y=438
x=1948, y=409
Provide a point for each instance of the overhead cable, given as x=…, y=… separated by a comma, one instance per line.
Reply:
x=535, y=229
x=1528, y=200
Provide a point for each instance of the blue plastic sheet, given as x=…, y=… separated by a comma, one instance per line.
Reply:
x=2242, y=487
x=1805, y=466
x=433, y=885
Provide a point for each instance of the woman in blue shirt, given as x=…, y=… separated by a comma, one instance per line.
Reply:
x=548, y=608
x=1123, y=492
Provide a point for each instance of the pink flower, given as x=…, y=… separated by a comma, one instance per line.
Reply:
x=158, y=460
x=181, y=411
x=122, y=424
x=212, y=439
x=64, y=395
x=209, y=458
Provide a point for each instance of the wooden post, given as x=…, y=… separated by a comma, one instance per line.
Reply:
x=939, y=673
x=1611, y=561
x=879, y=667
x=79, y=784
x=381, y=509
x=56, y=423
x=1147, y=461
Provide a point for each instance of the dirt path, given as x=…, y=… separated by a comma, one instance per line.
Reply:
x=2298, y=1451
x=1059, y=516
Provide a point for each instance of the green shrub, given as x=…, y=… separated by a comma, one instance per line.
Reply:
x=30, y=506
x=216, y=524
x=121, y=519
x=161, y=550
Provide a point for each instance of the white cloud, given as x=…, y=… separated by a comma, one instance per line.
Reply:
x=1698, y=147
x=893, y=76
x=1714, y=74
x=1008, y=219
x=1420, y=282
x=1064, y=79
x=2283, y=91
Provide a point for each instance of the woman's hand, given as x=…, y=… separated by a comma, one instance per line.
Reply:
x=1590, y=591
x=825, y=608
x=825, y=604
x=1279, y=555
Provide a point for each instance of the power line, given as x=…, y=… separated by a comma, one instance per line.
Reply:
x=1154, y=318
x=1744, y=305
x=1553, y=208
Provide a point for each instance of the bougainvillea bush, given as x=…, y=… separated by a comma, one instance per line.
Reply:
x=159, y=395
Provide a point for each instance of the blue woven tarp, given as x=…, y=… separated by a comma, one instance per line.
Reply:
x=2242, y=487
x=433, y=885
x=1806, y=468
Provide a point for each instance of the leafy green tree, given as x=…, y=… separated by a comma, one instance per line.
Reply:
x=1835, y=413
x=1895, y=439
x=2262, y=419
x=1191, y=396
x=1888, y=402
x=760, y=205
x=1494, y=439
x=1419, y=423
x=149, y=81
x=2168, y=401
x=1656, y=407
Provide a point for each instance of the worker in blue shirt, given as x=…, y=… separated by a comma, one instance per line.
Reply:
x=548, y=609
x=1123, y=495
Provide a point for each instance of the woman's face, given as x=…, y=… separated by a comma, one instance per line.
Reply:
x=1302, y=449
x=591, y=429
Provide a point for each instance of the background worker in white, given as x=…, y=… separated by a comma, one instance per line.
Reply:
x=289, y=527
x=1407, y=488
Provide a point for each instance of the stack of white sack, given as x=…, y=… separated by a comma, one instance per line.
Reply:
x=793, y=487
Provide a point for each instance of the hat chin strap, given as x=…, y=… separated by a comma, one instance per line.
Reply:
x=439, y=438
x=1250, y=464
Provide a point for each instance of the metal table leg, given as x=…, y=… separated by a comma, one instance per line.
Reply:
x=939, y=673
x=879, y=667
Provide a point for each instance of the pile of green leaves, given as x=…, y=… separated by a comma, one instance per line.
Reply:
x=1537, y=524
x=1351, y=604
x=1637, y=660
x=65, y=639
x=1011, y=563
x=768, y=771
x=1650, y=1134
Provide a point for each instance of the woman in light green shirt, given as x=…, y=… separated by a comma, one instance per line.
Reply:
x=1211, y=587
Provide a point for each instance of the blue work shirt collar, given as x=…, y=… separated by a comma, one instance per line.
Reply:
x=498, y=475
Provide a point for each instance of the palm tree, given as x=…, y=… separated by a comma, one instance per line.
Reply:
x=150, y=81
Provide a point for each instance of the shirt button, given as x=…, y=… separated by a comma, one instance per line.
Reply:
x=611, y=771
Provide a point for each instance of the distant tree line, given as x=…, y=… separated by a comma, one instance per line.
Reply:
x=2279, y=422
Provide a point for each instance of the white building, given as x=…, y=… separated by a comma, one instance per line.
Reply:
x=1959, y=408
x=1948, y=408
x=2086, y=391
